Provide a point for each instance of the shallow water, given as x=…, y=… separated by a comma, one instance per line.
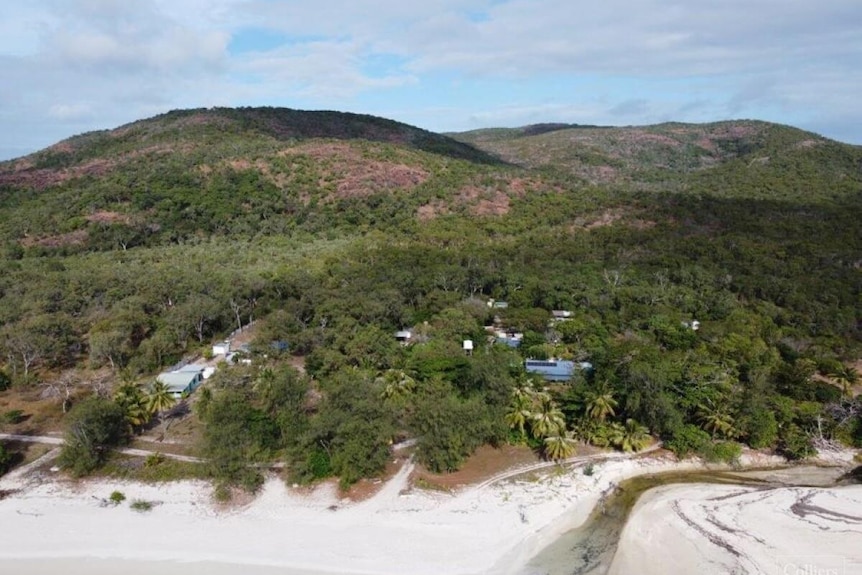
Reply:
x=589, y=549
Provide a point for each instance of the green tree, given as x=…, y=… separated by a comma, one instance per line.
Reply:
x=95, y=426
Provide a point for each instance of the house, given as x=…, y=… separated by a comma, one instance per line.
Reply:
x=512, y=339
x=561, y=314
x=180, y=383
x=221, y=348
x=556, y=369
x=497, y=304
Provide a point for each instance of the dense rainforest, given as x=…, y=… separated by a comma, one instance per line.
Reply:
x=128, y=250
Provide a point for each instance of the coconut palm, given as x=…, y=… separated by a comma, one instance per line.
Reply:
x=132, y=400
x=635, y=436
x=160, y=397
x=716, y=421
x=548, y=419
x=396, y=384
x=520, y=411
x=601, y=404
x=560, y=446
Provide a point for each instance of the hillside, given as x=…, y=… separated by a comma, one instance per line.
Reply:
x=658, y=157
x=129, y=250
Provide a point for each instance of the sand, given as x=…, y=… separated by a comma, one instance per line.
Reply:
x=731, y=529
x=53, y=526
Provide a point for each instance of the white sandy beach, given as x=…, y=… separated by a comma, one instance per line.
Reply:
x=54, y=526
x=732, y=529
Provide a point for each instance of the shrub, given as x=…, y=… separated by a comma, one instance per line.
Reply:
x=688, y=439
x=117, y=497
x=95, y=426
x=12, y=417
x=154, y=459
x=5, y=459
x=723, y=451
x=141, y=506
x=589, y=470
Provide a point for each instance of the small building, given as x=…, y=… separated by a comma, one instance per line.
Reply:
x=497, y=304
x=180, y=383
x=221, y=348
x=556, y=369
x=561, y=314
x=403, y=336
x=511, y=339
x=468, y=346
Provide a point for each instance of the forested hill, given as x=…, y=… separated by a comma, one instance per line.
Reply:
x=125, y=251
x=661, y=156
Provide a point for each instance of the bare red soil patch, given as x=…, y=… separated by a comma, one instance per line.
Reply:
x=483, y=464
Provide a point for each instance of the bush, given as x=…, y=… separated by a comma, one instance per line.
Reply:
x=589, y=470
x=12, y=417
x=688, y=439
x=794, y=444
x=5, y=459
x=96, y=425
x=723, y=451
x=5, y=381
x=117, y=497
x=154, y=459
x=141, y=506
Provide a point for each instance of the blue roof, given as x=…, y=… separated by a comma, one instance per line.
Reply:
x=510, y=341
x=552, y=370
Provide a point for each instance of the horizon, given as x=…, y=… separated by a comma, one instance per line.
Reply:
x=444, y=66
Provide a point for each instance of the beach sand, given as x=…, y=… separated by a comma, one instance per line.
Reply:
x=55, y=526
x=684, y=529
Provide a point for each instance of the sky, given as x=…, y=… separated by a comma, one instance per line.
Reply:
x=71, y=66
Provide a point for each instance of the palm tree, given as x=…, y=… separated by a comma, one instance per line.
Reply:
x=396, y=384
x=717, y=421
x=520, y=409
x=635, y=436
x=560, y=446
x=846, y=377
x=132, y=400
x=548, y=420
x=160, y=397
x=601, y=404
x=614, y=432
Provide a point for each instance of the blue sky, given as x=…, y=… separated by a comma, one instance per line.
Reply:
x=70, y=66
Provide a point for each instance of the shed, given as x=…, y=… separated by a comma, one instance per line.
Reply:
x=221, y=348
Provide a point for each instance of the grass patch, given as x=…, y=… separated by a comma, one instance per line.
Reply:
x=117, y=497
x=152, y=469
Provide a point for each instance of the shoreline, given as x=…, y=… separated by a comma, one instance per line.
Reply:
x=493, y=528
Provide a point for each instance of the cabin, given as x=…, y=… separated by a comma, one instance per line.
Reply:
x=556, y=369
x=182, y=382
